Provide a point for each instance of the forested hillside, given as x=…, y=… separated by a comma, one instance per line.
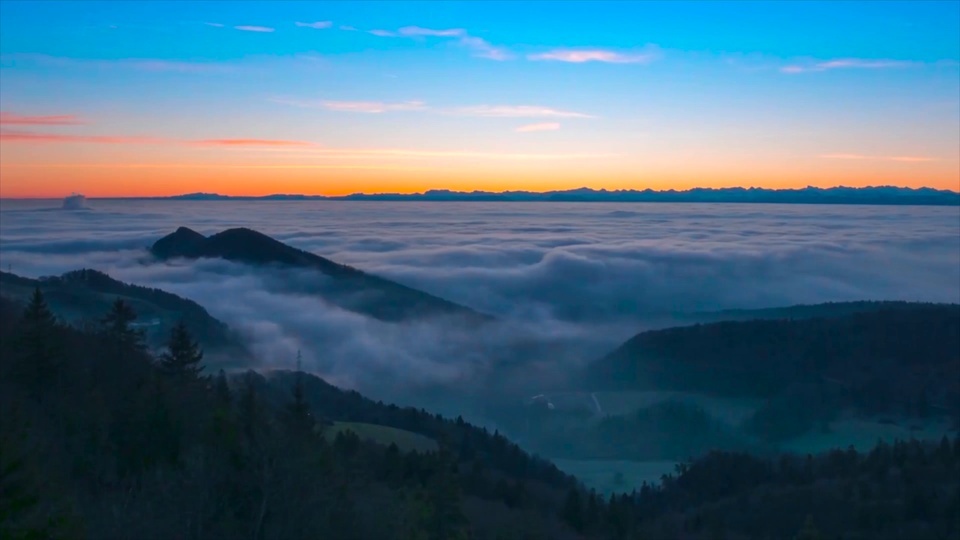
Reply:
x=99, y=439
x=901, y=359
x=83, y=296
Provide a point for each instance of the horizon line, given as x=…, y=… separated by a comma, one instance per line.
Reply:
x=456, y=193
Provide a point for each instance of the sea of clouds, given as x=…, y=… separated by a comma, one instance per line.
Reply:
x=568, y=281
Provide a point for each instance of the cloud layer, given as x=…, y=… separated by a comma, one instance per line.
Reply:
x=569, y=281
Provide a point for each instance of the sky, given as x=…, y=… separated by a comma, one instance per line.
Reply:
x=247, y=98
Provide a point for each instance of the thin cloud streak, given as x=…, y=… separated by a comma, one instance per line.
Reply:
x=480, y=47
x=516, y=111
x=367, y=107
x=579, y=56
x=410, y=31
x=252, y=28
x=372, y=107
x=307, y=149
x=41, y=138
x=845, y=63
x=367, y=153
x=14, y=119
x=141, y=64
x=907, y=159
x=250, y=142
x=46, y=138
x=319, y=25
x=377, y=107
x=546, y=126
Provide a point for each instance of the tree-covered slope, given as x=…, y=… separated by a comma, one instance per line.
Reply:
x=81, y=297
x=887, y=356
x=100, y=439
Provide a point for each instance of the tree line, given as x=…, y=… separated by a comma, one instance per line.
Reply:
x=101, y=438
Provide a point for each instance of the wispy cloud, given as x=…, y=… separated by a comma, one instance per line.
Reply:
x=291, y=149
x=214, y=24
x=483, y=49
x=347, y=28
x=406, y=153
x=251, y=28
x=142, y=64
x=844, y=63
x=147, y=64
x=370, y=107
x=909, y=159
x=579, y=56
x=413, y=31
x=14, y=119
x=319, y=25
x=544, y=126
x=517, y=111
x=250, y=142
x=40, y=138
x=480, y=47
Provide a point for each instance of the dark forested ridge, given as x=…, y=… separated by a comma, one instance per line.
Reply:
x=100, y=439
x=901, y=359
x=803, y=311
x=353, y=289
x=81, y=297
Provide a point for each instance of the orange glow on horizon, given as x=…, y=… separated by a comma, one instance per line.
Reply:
x=20, y=180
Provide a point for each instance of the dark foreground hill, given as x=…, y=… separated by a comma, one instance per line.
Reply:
x=902, y=359
x=82, y=297
x=101, y=440
x=916, y=346
x=347, y=287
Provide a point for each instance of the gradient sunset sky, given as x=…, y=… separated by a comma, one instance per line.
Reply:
x=128, y=98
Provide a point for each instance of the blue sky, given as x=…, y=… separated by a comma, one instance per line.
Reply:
x=498, y=95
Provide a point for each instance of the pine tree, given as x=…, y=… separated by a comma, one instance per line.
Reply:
x=298, y=411
x=222, y=390
x=118, y=325
x=444, y=497
x=249, y=408
x=38, y=341
x=572, y=512
x=183, y=354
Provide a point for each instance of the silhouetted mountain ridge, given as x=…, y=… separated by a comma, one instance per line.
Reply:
x=884, y=195
x=352, y=288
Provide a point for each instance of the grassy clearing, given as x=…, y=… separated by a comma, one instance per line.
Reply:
x=406, y=441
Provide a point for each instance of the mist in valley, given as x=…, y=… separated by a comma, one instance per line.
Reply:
x=566, y=283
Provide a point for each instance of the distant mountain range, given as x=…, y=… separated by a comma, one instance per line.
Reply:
x=349, y=288
x=889, y=195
